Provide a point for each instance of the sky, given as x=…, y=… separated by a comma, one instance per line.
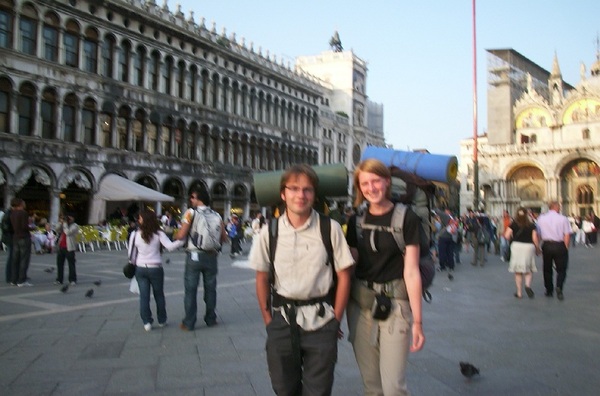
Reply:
x=419, y=53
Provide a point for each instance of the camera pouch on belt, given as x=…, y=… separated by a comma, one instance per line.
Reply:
x=382, y=306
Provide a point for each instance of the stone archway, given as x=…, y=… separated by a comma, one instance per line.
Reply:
x=580, y=183
x=529, y=186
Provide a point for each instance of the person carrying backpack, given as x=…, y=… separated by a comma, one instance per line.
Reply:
x=384, y=311
x=295, y=288
x=204, y=232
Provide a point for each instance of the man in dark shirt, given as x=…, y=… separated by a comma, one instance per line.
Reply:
x=21, y=243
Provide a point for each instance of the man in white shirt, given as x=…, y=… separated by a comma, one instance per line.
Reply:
x=304, y=323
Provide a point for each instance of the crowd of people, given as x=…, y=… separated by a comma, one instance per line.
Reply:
x=304, y=288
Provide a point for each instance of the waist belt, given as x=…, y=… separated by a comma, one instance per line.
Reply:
x=153, y=265
x=279, y=300
x=394, y=288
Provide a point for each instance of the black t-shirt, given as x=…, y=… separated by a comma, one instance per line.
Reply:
x=524, y=234
x=387, y=263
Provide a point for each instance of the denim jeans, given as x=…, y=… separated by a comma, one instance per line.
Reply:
x=151, y=277
x=207, y=266
x=8, y=269
x=61, y=255
x=21, y=255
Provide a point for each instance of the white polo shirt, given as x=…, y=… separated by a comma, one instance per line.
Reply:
x=301, y=272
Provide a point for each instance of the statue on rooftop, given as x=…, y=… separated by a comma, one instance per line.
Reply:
x=335, y=43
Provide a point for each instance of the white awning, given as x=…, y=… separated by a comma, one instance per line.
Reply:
x=117, y=188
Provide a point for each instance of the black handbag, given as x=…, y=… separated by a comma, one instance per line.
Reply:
x=129, y=268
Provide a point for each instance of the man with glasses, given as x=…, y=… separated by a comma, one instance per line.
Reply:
x=199, y=262
x=304, y=323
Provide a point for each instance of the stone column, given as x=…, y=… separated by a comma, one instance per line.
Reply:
x=54, y=205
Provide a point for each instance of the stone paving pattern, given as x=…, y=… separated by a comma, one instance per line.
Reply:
x=65, y=344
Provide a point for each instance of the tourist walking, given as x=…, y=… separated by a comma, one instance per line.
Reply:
x=523, y=249
x=554, y=231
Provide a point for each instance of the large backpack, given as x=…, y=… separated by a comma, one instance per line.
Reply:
x=325, y=228
x=205, y=231
x=426, y=264
x=417, y=193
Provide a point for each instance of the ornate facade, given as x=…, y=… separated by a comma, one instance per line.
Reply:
x=543, y=139
x=128, y=87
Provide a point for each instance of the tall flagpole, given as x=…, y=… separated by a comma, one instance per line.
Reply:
x=475, y=153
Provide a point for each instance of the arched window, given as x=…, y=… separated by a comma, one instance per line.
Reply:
x=165, y=138
x=26, y=108
x=71, y=44
x=138, y=66
x=137, y=129
x=151, y=133
x=28, y=30
x=204, y=87
x=122, y=127
x=585, y=134
x=108, y=53
x=88, y=118
x=124, y=54
x=191, y=80
x=69, y=110
x=5, y=105
x=6, y=24
x=153, y=69
x=181, y=76
x=48, y=114
x=585, y=195
x=106, y=121
x=90, y=51
x=51, y=25
x=167, y=72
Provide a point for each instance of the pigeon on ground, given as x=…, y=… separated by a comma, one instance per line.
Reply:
x=89, y=293
x=49, y=270
x=98, y=282
x=468, y=370
x=64, y=288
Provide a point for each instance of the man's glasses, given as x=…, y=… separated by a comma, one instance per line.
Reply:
x=298, y=190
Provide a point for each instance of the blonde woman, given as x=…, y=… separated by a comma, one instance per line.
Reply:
x=381, y=346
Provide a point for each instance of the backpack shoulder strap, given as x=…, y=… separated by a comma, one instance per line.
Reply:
x=273, y=233
x=395, y=228
x=398, y=225
x=325, y=226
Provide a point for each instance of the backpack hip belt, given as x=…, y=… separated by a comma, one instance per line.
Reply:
x=394, y=289
x=279, y=300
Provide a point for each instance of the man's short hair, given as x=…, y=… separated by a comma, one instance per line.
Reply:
x=296, y=170
x=201, y=194
x=16, y=202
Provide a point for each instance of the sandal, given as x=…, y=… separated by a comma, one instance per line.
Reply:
x=516, y=295
x=529, y=292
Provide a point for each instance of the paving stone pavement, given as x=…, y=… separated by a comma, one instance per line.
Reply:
x=65, y=344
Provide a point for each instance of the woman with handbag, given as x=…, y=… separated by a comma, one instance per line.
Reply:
x=383, y=333
x=147, y=241
x=523, y=249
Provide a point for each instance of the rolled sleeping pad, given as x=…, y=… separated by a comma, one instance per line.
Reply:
x=435, y=167
x=333, y=182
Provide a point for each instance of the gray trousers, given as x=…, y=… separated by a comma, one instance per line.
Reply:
x=381, y=347
x=310, y=374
